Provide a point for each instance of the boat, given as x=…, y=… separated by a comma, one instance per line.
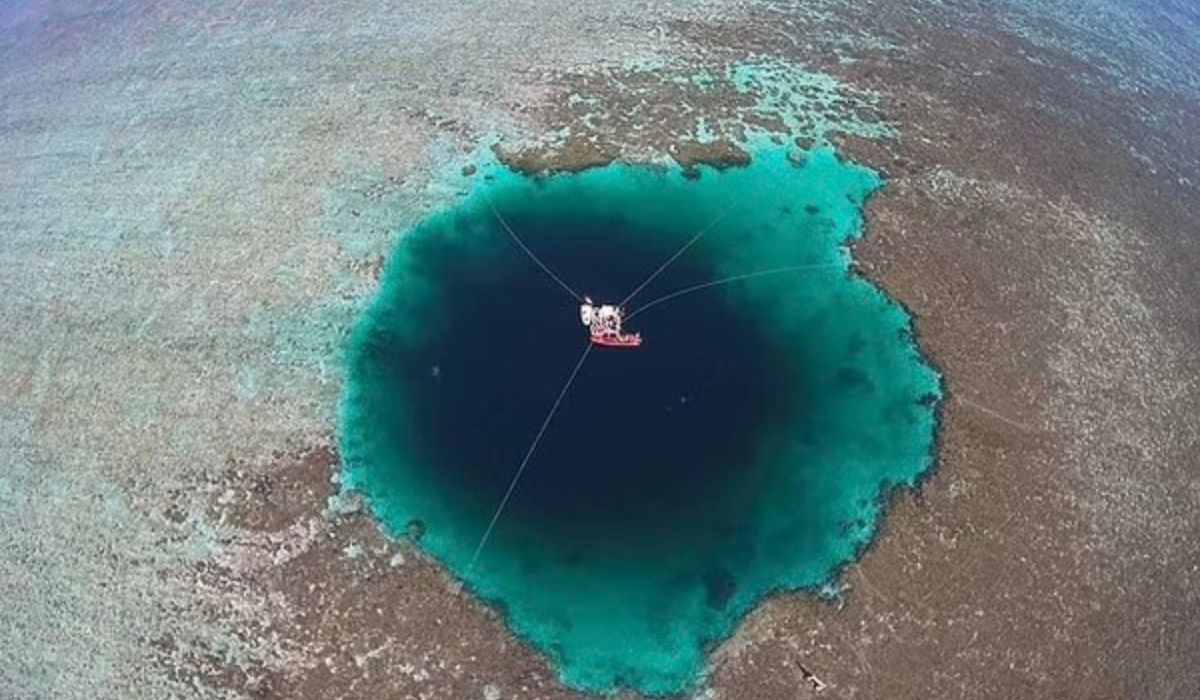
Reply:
x=604, y=325
x=618, y=341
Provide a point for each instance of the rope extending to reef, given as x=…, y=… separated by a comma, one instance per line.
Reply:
x=726, y=280
x=512, y=485
x=679, y=252
x=544, y=266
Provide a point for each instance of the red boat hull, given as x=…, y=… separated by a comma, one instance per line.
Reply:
x=618, y=341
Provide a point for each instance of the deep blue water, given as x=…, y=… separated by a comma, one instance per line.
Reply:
x=744, y=448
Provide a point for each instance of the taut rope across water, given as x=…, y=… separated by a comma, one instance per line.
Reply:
x=512, y=485
x=726, y=280
x=582, y=358
x=533, y=257
x=679, y=252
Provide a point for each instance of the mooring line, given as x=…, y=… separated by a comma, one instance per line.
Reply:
x=512, y=485
x=529, y=252
x=726, y=280
x=995, y=414
x=679, y=252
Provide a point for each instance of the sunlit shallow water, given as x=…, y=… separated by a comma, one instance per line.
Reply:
x=746, y=448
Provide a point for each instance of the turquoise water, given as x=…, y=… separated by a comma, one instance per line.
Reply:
x=745, y=449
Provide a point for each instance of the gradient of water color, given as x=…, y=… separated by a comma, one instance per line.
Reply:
x=745, y=449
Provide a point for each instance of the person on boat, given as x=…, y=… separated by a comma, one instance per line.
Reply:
x=611, y=316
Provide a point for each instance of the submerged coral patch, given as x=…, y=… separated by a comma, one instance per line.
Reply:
x=744, y=449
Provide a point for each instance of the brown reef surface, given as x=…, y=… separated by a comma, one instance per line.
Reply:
x=195, y=204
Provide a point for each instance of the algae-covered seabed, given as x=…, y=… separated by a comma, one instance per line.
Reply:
x=194, y=203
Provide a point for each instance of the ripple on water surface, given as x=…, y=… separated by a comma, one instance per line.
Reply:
x=741, y=451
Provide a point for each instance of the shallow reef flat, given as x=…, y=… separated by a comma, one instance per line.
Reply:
x=199, y=203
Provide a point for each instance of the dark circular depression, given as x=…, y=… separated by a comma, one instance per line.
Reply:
x=644, y=440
